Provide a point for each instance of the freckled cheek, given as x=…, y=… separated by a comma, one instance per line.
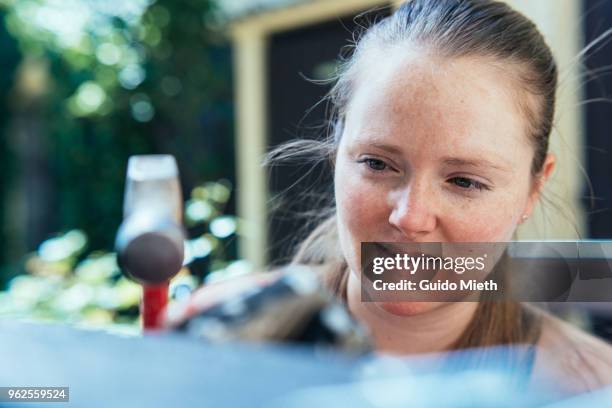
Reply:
x=359, y=218
x=361, y=213
x=360, y=209
x=487, y=224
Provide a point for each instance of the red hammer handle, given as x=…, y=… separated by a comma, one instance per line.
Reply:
x=154, y=301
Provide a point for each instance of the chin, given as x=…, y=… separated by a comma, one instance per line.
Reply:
x=407, y=308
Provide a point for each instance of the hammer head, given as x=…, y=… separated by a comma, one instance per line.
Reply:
x=149, y=242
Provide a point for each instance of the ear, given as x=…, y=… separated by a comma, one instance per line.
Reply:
x=540, y=180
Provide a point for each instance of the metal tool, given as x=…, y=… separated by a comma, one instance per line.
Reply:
x=150, y=240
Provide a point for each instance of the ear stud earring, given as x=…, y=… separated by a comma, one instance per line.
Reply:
x=524, y=217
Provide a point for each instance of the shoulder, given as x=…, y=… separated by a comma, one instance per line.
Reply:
x=573, y=359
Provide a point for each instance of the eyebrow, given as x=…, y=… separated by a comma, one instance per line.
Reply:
x=458, y=161
x=387, y=147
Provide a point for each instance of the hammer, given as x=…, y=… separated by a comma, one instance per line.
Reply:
x=149, y=242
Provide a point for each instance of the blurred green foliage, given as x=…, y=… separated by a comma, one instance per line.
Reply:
x=63, y=285
x=107, y=79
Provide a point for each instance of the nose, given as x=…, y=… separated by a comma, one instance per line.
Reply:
x=414, y=210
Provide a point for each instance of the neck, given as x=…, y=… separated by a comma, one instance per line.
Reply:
x=431, y=331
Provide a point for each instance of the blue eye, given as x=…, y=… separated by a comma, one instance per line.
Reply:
x=468, y=183
x=374, y=164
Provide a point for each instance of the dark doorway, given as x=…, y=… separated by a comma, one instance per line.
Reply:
x=293, y=56
x=597, y=17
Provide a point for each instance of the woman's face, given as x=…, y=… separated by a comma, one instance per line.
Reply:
x=432, y=151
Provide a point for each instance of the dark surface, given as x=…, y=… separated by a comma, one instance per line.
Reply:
x=104, y=370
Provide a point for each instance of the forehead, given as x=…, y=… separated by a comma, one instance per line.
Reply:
x=461, y=103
